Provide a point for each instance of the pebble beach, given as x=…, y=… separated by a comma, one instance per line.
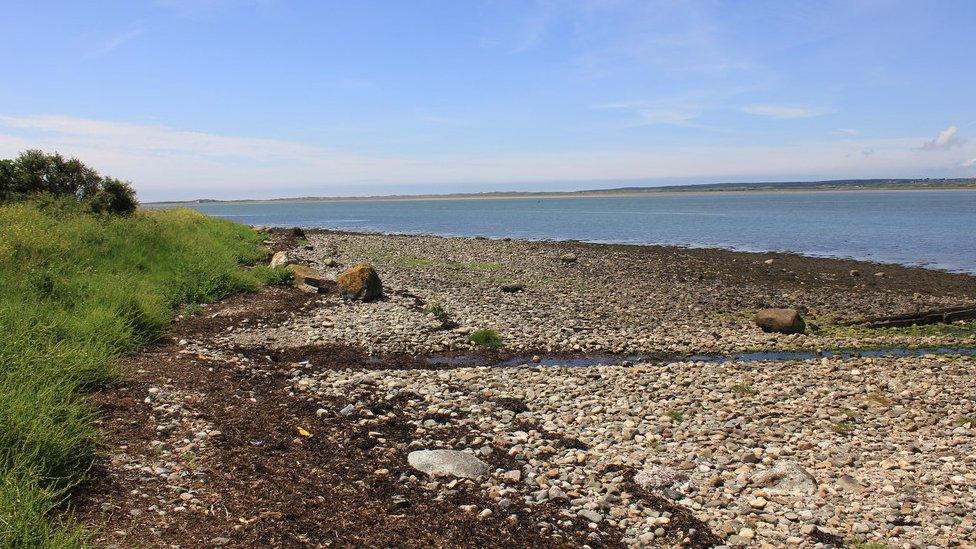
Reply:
x=646, y=446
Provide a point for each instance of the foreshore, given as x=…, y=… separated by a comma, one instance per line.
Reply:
x=285, y=418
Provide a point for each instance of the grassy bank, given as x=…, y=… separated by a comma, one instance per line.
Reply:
x=78, y=291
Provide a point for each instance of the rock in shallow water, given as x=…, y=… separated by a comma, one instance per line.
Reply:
x=447, y=463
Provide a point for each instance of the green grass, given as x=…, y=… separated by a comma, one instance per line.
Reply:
x=191, y=309
x=437, y=310
x=675, y=415
x=859, y=544
x=488, y=339
x=743, y=389
x=844, y=427
x=77, y=292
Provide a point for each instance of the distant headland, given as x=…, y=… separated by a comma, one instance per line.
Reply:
x=828, y=185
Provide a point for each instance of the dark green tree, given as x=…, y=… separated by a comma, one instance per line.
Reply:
x=8, y=176
x=113, y=197
x=37, y=174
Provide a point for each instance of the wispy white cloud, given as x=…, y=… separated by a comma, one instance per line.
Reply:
x=785, y=112
x=968, y=163
x=113, y=42
x=947, y=139
x=167, y=163
x=674, y=111
x=675, y=117
x=847, y=131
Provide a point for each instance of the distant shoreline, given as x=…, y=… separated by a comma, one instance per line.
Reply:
x=816, y=186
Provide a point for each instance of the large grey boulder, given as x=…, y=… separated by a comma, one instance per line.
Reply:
x=450, y=463
x=784, y=321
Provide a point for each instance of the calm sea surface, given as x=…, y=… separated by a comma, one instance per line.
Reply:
x=936, y=229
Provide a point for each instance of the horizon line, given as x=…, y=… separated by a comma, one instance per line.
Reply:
x=826, y=184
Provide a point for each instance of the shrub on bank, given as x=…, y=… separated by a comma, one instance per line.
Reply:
x=79, y=290
x=35, y=174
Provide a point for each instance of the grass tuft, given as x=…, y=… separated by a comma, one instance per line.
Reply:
x=675, y=415
x=437, y=311
x=488, y=339
x=744, y=389
x=77, y=292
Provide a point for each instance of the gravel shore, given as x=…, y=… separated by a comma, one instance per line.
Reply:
x=620, y=299
x=636, y=451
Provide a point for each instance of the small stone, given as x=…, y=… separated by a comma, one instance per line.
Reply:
x=590, y=515
x=512, y=476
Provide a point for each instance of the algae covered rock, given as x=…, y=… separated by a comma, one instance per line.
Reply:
x=784, y=321
x=360, y=282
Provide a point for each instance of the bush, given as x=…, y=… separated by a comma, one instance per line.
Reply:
x=113, y=197
x=77, y=291
x=488, y=339
x=35, y=174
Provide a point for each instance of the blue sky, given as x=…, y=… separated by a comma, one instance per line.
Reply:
x=244, y=99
